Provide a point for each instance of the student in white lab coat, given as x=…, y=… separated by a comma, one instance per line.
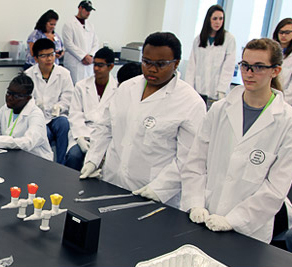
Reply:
x=88, y=98
x=53, y=89
x=22, y=123
x=283, y=35
x=212, y=61
x=149, y=126
x=80, y=43
x=238, y=171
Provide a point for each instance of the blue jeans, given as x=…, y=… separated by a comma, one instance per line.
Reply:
x=75, y=158
x=57, y=130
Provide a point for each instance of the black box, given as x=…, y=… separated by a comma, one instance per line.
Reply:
x=4, y=54
x=81, y=230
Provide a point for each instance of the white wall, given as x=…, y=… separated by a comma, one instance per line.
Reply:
x=117, y=22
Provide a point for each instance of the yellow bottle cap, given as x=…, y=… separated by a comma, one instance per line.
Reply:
x=39, y=202
x=56, y=199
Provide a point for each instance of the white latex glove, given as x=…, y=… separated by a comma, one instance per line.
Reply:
x=88, y=170
x=218, y=223
x=56, y=110
x=147, y=192
x=221, y=95
x=199, y=215
x=83, y=144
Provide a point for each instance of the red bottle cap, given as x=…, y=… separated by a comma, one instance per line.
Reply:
x=15, y=191
x=32, y=188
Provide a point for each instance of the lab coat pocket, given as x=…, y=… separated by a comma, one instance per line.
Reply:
x=160, y=134
x=258, y=166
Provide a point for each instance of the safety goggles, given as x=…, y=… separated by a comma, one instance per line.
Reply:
x=16, y=95
x=285, y=32
x=160, y=64
x=256, y=68
x=101, y=65
x=47, y=55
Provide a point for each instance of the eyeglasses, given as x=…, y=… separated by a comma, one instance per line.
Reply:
x=160, y=64
x=47, y=55
x=101, y=65
x=16, y=95
x=285, y=32
x=254, y=68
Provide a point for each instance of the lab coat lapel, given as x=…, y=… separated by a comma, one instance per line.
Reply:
x=162, y=92
x=90, y=83
x=235, y=113
x=109, y=90
x=25, y=111
x=266, y=118
x=136, y=94
x=54, y=76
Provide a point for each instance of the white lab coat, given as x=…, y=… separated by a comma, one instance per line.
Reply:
x=29, y=133
x=147, y=141
x=84, y=106
x=79, y=42
x=210, y=70
x=245, y=178
x=58, y=90
x=286, y=78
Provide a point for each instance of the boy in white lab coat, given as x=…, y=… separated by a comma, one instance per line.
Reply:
x=52, y=93
x=22, y=123
x=88, y=98
x=148, y=128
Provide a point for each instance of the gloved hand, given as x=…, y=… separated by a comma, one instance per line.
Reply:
x=56, y=110
x=218, y=223
x=199, y=215
x=221, y=95
x=83, y=144
x=88, y=170
x=147, y=192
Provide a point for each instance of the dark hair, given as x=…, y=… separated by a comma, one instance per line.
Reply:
x=280, y=25
x=276, y=56
x=105, y=53
x=206, y=29
x=165, y=39
x=129, y=71
x=41, y=23
x=24, y=81
x=42, y=44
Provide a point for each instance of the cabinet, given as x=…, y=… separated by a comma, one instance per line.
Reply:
x=6, y=75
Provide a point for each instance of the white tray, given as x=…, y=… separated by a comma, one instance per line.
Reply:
x=185, y=256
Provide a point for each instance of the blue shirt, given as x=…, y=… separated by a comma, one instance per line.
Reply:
x=250, y=115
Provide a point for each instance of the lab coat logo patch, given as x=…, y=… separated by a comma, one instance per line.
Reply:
x=257, y=157
x=149, y=122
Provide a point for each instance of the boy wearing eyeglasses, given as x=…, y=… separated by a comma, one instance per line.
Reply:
x=89, y=96
x=148, y=128
x=22, y=123
x=53, y=92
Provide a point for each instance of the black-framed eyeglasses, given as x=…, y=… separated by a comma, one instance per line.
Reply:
x=285, y=32
x=256, y=68
x=101, y=65
x=47, y=55
x=160, y=64
x=16, y=95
